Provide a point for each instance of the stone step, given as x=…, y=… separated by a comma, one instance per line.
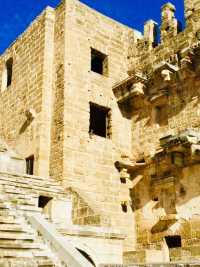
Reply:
x=45, y=263
x=30, y=180
x=7, y=212
x=5, y=205
x=18, y=187
x=17, y=236
x=12, y=253
x=18, y=262
x=16, y=228
x=28, y=197
x=13, y=197
x=21, y=244
x=30, y=187
x=16, y=194
x=28, y=202
x=7, y=219
x=42, y=254
x=29, y=208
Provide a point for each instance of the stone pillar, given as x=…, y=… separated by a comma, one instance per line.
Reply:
x=170, y=25
x=151, y=32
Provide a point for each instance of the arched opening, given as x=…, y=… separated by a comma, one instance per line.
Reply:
x=86, y=256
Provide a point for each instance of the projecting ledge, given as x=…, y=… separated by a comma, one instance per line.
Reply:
x=132, y=86
x=131, y=167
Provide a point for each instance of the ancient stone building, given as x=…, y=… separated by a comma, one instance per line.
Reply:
x=106, y=122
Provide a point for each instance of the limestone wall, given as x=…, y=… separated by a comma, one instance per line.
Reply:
x=176, y=100
x=53, y=81
x=88, y=160
x=30, y=89
x=57, y=130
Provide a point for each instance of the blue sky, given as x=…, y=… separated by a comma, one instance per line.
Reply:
x=16, y=15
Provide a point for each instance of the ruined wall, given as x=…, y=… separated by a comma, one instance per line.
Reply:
x=52, y=77
x=89, y=159
x=30, y=89
x=181, y=102
x=166, y=199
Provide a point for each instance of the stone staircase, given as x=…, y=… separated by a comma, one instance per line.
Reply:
x=20, y=244
x=34, y=210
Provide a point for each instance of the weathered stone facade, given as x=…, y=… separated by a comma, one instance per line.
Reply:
x=139, y=175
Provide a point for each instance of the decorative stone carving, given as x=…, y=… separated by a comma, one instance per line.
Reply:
x=137, y=89
x=166, y=74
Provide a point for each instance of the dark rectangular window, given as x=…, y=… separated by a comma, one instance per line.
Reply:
x=43, y=201
x=99, y=62
x=100, y=120
x=9, y=68
x=124, y=207
x=30, y=165
x=173, y=241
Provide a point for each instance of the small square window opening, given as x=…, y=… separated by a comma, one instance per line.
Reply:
x=99, y=62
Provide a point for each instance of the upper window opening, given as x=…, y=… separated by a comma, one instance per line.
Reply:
x=100, y=121
x=99, y=62
x=7, y=74
x=30, y=165
x=9, y=68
